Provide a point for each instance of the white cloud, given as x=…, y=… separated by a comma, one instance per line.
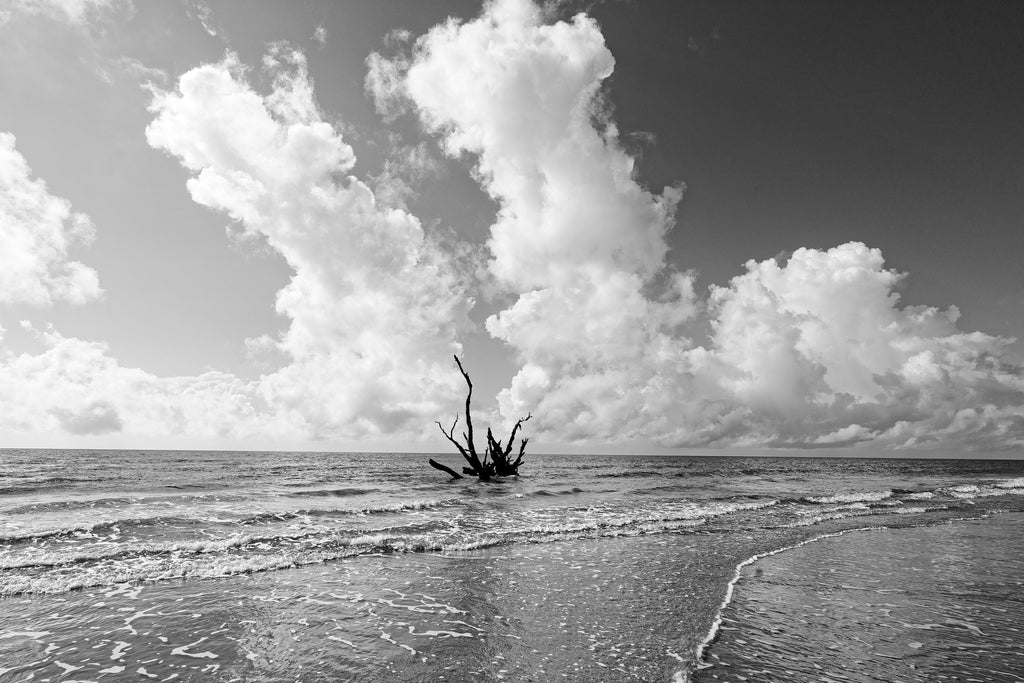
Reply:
x=320, y=34
x=76, y=386
x=576, y=237
x=38, y=232
x=131, y=68
x=375, y=307
x=384, y=85
x=406, y=168
x=820, y=351
x=203, y=13
x=813, y=352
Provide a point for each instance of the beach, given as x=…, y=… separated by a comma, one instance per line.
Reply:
x=370, y=567
x=933, y=603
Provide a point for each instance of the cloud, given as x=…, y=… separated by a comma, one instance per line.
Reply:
x=375, y=306
x=406, y=168
x=76, y=12
x=384, y=85
x=819, y=351
x=813, y=352
x=76, y=386
x=577, y=238
x=200, y=11
x=98, y=417
x=38, y=231
x=320, y=34
x=131, y=69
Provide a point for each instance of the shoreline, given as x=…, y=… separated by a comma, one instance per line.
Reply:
x=702, y=652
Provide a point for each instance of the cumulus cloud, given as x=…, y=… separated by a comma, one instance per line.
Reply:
x=98, y=417
x=38, y=231
x=819, y=352
x=576, y=236
x=374, y=305
x=813, y=352
x=76, y=386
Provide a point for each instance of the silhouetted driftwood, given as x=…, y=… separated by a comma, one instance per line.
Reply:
x=497, y=460
x=444, y=468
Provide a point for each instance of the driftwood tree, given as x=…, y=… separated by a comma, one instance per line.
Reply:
x=497, y=459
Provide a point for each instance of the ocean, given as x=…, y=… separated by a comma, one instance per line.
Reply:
x=246, y=566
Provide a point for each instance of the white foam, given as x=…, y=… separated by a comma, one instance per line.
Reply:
x=183, y=650
x=971, y=491
x=911, y=510
x=854, y=497
x=24, y=634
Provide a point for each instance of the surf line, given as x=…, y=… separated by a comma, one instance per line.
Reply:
x=701, y=652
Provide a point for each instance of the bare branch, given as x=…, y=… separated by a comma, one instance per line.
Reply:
x=522, y=452
x=444, y=468
x=450, y=435
x=469, y=398
x=512, y=437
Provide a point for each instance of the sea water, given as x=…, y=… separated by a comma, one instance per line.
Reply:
x=159, y=565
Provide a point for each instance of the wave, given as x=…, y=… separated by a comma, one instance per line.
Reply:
x=123, y=501
x=546, y=493
x=630, y=474
x=335, y=492
x=93, y=528
x=984, y=490
x=107, y=551
x=60, y=569
x=963, y=491
x=119, y=525
x=852, y=497
x=243, y=555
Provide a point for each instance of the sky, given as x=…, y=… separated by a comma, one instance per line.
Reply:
x=697, y=227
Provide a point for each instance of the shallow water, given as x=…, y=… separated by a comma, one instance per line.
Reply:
x=249, y=566
x=939, y=603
